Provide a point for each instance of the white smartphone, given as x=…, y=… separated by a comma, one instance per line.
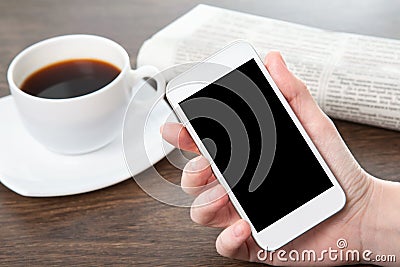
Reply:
x=258, y=150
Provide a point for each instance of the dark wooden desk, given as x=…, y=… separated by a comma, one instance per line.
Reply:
x=121, y=225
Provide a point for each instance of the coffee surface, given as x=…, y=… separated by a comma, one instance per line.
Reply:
x=70, y=78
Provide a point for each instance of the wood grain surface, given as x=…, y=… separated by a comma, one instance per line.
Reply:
x=122, y=225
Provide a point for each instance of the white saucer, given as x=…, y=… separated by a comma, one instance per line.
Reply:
x=29, y=169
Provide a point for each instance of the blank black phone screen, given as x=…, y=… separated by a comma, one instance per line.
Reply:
x=255, y=145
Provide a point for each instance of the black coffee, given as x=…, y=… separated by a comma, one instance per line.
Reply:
x=70, y=78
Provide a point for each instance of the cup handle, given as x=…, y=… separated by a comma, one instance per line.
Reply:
x=149, y=71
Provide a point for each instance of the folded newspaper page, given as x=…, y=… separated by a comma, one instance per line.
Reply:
x=352, y=77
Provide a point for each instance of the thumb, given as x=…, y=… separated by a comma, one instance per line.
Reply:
x=231, y=242
x=294, y=90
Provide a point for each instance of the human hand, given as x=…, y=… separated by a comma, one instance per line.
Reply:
x=235, y=241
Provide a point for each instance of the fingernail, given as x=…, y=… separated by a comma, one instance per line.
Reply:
x=282, y=60
x=194, y=163
x=215, y=193
x=238, y=230
x=192, y=166
x=161, y=128
x=199, y=163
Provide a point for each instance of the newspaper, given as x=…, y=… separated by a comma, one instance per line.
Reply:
x=352, y=77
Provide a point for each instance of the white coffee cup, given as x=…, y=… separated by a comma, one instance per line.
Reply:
x=84, y=123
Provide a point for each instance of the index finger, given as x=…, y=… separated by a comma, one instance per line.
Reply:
x=177, y=135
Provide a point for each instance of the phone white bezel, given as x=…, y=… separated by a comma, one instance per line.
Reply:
x=298, y=221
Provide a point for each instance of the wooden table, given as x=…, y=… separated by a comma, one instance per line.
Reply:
x=121, y=225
